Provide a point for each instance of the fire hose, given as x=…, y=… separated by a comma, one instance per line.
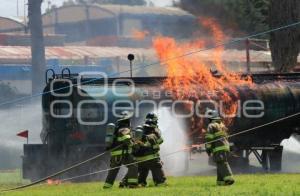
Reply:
x=166, y=155
x=180, y=56
x=187, y=148
x=59, y=172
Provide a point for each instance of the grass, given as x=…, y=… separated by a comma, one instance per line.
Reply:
x=258, y=184
x=10, y=178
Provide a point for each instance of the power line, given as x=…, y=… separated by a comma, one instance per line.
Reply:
x=166, y=155
x=61, y=172
x=175, y=152
x=187, y=54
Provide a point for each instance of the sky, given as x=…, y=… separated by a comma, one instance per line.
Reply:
x=8, y=8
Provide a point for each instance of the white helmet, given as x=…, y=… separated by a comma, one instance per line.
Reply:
x=213, y=114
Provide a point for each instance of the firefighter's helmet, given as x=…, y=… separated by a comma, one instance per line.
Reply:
x=152, y=116
x=124, y=120
x=125, y=115
x=213, y=115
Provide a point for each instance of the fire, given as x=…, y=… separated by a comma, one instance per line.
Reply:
x=139, y=35
x=53, y=182
x=219, y=37
x=189, y=77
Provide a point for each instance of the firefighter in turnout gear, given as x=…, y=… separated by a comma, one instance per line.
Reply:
x=121, y=153
x=149, y=153
x=216, y=130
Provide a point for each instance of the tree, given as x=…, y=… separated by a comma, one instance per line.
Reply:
x=245, y=16
x=250, y=16
x=284, y=44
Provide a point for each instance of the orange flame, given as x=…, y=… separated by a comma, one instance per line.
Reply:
x=139, y=35
x=219, y=37
x=190, y=76
x=53, y=182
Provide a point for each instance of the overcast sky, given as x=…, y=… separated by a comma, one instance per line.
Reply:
x=8, y=8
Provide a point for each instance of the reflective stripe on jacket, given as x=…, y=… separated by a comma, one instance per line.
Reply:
x=122, y=138
x=122, y=142
x=149, y=146
x=147, y=157
x=120, y=152
x=216, y=130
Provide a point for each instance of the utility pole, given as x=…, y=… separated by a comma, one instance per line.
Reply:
x=38, y=61
x=24, y=12
x=17, y=8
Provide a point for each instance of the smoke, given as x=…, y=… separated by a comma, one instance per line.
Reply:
x=23, y=116
x=179, y=163
x=291, y=154
x=174, y=135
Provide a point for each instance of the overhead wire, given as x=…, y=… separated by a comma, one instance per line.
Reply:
x=166, y=155
x=169, y=59
x=155, y=63
x=186, y=148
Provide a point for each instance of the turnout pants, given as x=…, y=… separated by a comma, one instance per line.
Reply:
x=155, y=166
x=224, y=173
x=117, y=161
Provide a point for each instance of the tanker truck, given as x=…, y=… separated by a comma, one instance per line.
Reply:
x=77, y=107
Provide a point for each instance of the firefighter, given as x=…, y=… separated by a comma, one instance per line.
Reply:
x=152, y=119
x=121, y=152
x=216, y=130
x=137, y=136
x=148, y=153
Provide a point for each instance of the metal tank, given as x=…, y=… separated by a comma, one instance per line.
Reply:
x=280, y=99
x=67, y=140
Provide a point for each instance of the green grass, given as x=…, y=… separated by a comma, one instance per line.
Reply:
x=258, y=184
x=11, y=178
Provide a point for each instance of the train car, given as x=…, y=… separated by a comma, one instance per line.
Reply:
x=74, y=122
x=76, y=109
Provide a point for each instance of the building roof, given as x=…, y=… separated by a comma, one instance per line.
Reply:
x=141, y=10
x=80, y=52
x=96, y=11
x=10, y=25
x=71, y=52
x=235, y=59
